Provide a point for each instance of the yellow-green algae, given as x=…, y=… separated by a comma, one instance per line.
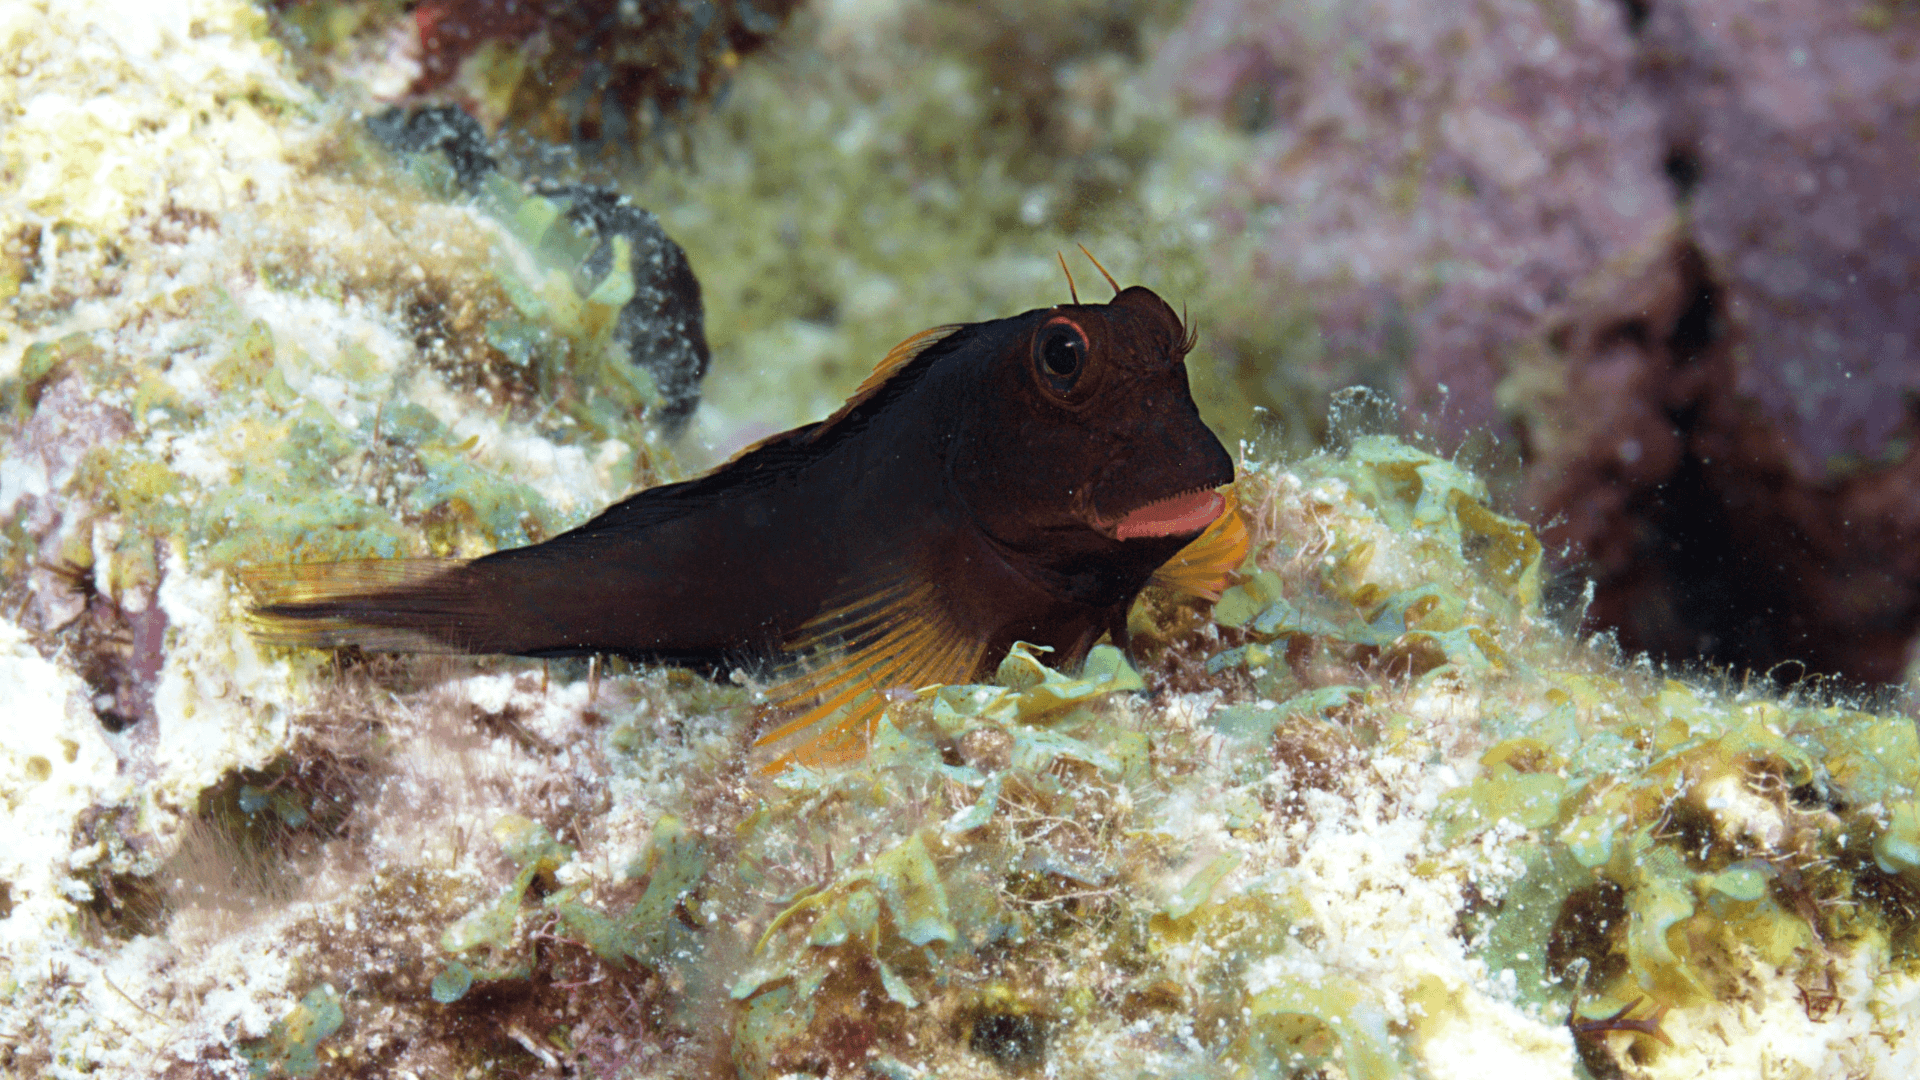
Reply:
x=304, y=481
x=292, y=1047
x=1114, y=876
x=1029, y=850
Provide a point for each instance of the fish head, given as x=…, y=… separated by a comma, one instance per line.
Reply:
x=1086, y=443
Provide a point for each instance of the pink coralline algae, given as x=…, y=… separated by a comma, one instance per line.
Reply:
x=1669, y=247
x=1459, y=168
x=1802, y=121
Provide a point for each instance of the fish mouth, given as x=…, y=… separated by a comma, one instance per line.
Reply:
x=1175, y=515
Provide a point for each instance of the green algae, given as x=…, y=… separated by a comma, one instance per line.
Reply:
x=1018, y=819
x=292, y=1045
x=674, y=863
x=560, y=330
x=1694, y=808
x=1445, y=510
x=1297, y=1025
x=1491, y=567
x=451, y=984
x=304, y=482
x=486, y=942
x=1199, y=889
x=1009, y=869
x=39, y=363
x=899, y=895
x=961, y=879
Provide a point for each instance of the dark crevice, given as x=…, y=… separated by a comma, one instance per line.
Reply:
x=1637, y=12
x=1715, y=594
x=1682, y=167
x=1012, y=1040
x=1699, y=324
x=1686, y=539
x=1709, y=578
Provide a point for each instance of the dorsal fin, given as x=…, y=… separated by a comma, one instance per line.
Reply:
x=1205, y=567
x=897, y=357
x=895, y=637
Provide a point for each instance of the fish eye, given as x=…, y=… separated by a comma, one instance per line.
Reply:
x=1060, y=354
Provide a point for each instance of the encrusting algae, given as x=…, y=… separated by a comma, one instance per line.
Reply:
x=1630, y=858
x=1287, y=872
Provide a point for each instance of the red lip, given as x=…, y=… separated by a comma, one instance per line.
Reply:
x=1185, y=513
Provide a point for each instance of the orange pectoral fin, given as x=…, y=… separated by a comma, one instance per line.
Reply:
x=1205, y=567
x=891, y=643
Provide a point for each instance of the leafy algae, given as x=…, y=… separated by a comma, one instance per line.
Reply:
x=1416, y=841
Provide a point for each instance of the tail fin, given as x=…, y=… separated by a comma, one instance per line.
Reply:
x=382, y=605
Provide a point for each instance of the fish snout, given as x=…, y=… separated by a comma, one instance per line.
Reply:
x=1162, y=484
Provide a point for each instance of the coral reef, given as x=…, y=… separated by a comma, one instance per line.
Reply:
x=1661, y=250
x=1715, y=425
x=1373, y=813
x=235, y=333
x=598, y=74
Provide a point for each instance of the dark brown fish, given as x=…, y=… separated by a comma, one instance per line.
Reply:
x=1014, y=480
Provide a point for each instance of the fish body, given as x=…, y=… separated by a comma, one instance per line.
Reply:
x=1014, y=480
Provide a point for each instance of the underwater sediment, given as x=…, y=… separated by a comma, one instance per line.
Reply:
x=1373, y=814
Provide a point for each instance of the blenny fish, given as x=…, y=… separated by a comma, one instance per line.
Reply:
x=1020, y=479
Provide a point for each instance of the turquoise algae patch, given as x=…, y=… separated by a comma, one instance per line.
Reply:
x=292, y=1046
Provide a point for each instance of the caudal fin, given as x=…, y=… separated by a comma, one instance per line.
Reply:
x=381, y=605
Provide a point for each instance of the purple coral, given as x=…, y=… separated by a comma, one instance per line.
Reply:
x=1800, y=119
x=1469, y=165
x=1673, y=246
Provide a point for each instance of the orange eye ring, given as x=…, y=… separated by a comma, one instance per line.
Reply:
x=1060, y=352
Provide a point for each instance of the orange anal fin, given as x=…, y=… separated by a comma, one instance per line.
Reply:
x=1205, y=567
